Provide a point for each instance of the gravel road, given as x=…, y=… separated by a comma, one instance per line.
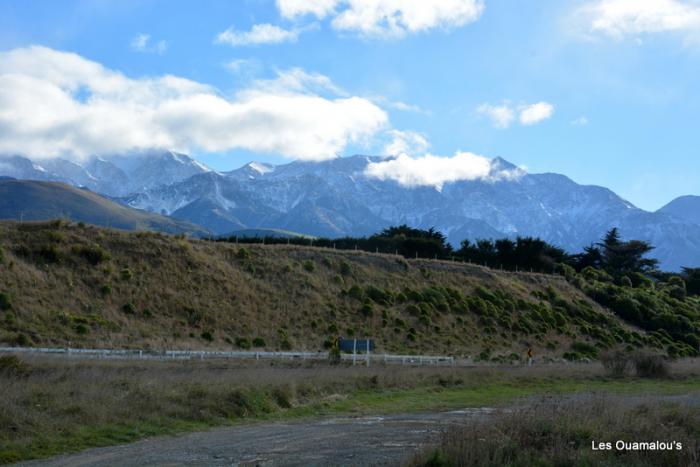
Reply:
x=338, y=441
x=345, y=441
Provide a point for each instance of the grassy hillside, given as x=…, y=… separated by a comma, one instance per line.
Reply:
x=32, y=201
x=65, y=284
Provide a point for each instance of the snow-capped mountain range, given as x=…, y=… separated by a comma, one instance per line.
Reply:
x=335, y=198
x=116, y=175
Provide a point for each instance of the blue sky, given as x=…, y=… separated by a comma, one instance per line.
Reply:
x=604, y=91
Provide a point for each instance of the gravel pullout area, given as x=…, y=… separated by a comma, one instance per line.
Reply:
x=353, y=441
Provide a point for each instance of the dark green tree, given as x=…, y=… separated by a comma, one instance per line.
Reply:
x=691, y=276
x=624, y=258
x=591, y=256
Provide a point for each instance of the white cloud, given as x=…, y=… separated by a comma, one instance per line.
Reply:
x=387, y=18
x=501, y=116
x=404, y=107
x=620, y=18
x=405, y=142
x=294, y=8
x=243, y=66
x=431, y=170
x=297, y=80
x=581, y=121
x=259, y=34
x=142, y=43
x=55, y=103
x=535, y=113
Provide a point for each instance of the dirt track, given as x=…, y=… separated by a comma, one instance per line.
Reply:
x=352, y=441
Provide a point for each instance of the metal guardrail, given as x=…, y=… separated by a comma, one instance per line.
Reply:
x=243, y=355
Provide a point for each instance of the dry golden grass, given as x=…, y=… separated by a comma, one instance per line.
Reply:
x=561, y=431
x=85, y=286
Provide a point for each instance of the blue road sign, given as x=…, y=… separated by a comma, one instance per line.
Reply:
x=360, y=345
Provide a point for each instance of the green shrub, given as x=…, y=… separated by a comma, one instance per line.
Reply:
x=81, y=328
x=11, y=365
x=5, y=302
x=48, y=254
x=355, y=292
x=378, y=295
x=194, y=317
x=258, y=342
x=207, y=336
x=129, y=309
x=640, y=280
x=10, y=318
x=345, y=268
x=286, y=344
x=126, y=274
x=309, y=266
x=367, y=309
x=484, y=355
x=573, y=356
x=243, y=342
x=411, y=336
x=650, y=366
x=93, y=254
x=678, y=293
x=616, y=363
x=565, y=270
x=585, y=349
x=282, y=397
x=412, y=309
x=22, y=340
x=243, y=253
x=625, y=281
x=105, y=290
x=2, y=255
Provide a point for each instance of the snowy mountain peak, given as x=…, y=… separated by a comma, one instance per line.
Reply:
x=502, y=164
x=261, y=168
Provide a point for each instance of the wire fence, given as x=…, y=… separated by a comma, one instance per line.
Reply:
x=136, y=354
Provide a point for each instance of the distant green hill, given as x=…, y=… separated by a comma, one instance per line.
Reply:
x=25, y=200
x=261, y=233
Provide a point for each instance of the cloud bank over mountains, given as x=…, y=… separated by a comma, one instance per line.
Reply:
x=55, y=103
x=431, y=170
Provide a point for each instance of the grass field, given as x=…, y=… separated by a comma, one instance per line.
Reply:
x=55, y=405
